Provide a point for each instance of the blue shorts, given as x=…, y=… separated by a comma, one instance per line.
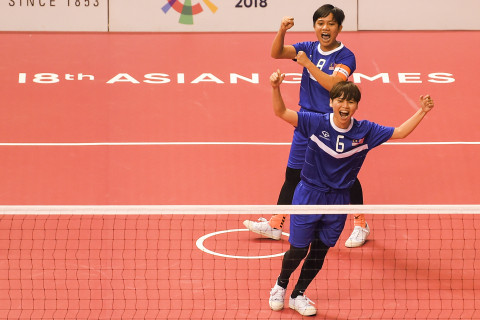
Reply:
x=304, y=228
x=298, y=148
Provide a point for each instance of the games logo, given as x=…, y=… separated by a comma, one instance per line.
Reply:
x=187, y=10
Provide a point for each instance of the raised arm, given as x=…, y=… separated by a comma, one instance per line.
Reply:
x=426, y=104
x=279, y=49
x=325, y=80
x=279, y=108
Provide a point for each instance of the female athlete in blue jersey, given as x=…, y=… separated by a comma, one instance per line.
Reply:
x=326, y=62
x=337, y=147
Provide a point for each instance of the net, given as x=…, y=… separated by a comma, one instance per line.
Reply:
x=199, y=262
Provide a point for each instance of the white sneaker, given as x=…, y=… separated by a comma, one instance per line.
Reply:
x=302, y=305
x=262, y=227
x=277, y=296
x=358, y=236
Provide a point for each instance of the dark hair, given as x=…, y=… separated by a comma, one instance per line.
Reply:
x=325, y=10
x=346, y=90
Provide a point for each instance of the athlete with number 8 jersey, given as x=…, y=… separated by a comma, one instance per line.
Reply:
x=326, y=62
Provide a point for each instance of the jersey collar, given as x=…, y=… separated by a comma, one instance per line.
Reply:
x=340, y=129
x=326, y=53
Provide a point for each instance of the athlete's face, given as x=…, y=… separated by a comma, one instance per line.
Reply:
x=327, y=29
x=343, y=111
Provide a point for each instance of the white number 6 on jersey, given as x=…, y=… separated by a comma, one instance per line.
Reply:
x=340, y=145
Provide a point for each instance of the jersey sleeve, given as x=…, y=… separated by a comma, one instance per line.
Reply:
x=302, y=46
x=346, y=63
x=308, y=122
x=379, y=134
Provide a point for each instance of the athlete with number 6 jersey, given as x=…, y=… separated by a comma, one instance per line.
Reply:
x=337, y=147
x=326, y=62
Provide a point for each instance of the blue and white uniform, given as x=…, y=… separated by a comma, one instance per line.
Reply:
x=314, y=97
x=333, y=159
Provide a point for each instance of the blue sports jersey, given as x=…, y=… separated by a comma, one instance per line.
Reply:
x=334, y=156
x=313, y=96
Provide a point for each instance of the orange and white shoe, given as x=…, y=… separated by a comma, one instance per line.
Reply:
x=263, y=228
x=358, y=237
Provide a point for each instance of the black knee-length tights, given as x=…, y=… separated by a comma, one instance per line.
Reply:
x=312, y=265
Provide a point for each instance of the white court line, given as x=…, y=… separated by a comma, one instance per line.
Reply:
x=79, y=144
x=200, y=246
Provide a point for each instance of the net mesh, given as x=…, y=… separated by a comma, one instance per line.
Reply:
x=199, y=262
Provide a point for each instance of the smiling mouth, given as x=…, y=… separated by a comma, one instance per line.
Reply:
x=344, y=114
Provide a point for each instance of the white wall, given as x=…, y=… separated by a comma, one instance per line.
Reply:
x=232, y=15
x=419, y=14
x=53, y=15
